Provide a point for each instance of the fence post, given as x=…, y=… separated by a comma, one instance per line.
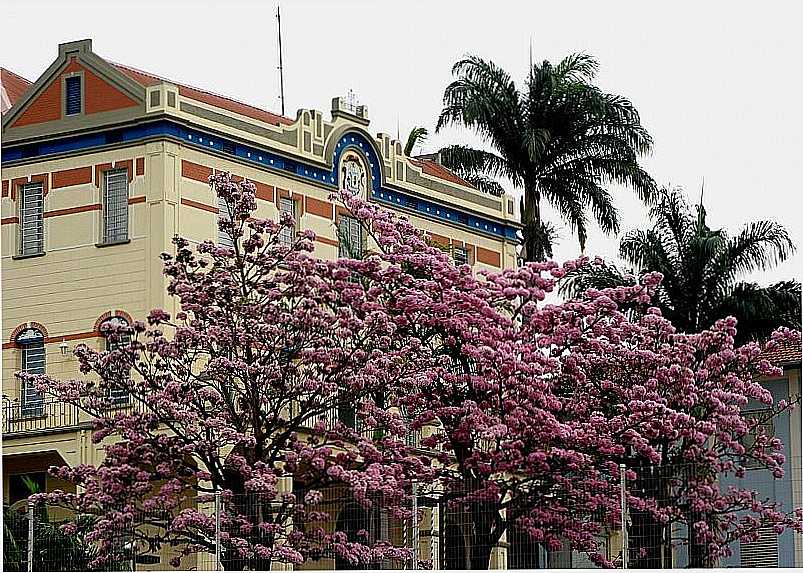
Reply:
x=623, y=496
x=217, y=532
x=415, y=525
x=218, y=566
x=434, y=525
x=30, y=534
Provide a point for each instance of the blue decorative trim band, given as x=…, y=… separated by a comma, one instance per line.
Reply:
x=329, y=178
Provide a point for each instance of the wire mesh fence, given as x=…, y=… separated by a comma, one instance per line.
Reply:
x=430, y=532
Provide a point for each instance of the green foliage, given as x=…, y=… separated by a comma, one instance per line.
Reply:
x=560, y=139
x=54, y=549
x=417, y=136
x=701, y=268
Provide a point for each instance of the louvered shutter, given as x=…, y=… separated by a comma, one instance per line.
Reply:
x=115, y=207
x=31, y=219
x=33, y=362
x=118, y=396
x=350, y=235
x=760, y=553
x=223, y=238
x=73, y=89
x=286, y=205
x=355, y=239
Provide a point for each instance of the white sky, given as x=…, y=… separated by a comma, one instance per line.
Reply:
x=719, y=84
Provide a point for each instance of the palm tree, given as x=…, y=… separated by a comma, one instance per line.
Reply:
x=417, y=136
x=701, y=268
x=561, y=139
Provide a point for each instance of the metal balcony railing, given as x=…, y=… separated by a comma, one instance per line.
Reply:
x=40, y=416
x=45, y=416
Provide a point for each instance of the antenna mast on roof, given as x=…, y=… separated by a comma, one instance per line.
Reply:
x=281, y=68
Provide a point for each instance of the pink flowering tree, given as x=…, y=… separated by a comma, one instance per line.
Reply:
x=675, y=403
x=527, y=409
x=502, y=458
x=237, y=394
x=532, y=408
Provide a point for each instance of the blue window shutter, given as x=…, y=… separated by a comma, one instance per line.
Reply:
x=73, y=89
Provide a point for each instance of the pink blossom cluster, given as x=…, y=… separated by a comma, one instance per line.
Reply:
x=528, y=409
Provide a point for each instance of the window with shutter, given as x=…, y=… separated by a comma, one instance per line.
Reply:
x=287, y=205
x=351, y=239
x=73, y=92
x=115, y=206
x=32, y=343
x=763, y=552
x=460, y=255
x=223, y=237
x=117, y=396
x=32, y=230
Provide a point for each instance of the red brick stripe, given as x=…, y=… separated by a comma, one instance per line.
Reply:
x=129, y=167
x=194, y=171
x=488, y=257
x=139, y=199
x=140, y=166
x=327, y=241
x=68, y=177
x=8, y=220
x=319, y=208
x=197, y=205
x=264, y=192
x=71, y=210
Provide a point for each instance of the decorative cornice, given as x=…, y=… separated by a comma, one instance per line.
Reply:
x=326, y=177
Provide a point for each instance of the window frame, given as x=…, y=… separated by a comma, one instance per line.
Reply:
x=106, y=238
x=31, y=402
x=224, y=239
x=462, y=249
x=346, y=250
x=118, y=398
x=38, y=223
x=81, y=91
x=287, y=235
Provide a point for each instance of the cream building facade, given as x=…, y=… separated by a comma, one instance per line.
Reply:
x=103, y=164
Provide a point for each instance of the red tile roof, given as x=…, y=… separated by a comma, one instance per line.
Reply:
x=13, y=86
x=147, y=79
x=435, y=169
x=786, y=353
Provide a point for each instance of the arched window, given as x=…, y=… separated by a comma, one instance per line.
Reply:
x=118, y=396
x=32, y=343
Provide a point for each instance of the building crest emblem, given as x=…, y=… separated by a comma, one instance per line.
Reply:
x=353, y=177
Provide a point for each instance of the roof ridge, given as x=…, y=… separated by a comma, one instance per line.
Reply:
x=189, y=86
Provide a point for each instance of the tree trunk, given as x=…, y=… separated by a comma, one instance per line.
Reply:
x=534, y=250
x=480, y=555
x=485, y=535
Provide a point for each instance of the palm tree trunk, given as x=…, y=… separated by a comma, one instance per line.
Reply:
x=534, y=250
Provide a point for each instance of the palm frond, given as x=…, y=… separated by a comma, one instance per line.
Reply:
x=576, y=282
x=485, y=184
x=760, y=245
x=417, y=136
